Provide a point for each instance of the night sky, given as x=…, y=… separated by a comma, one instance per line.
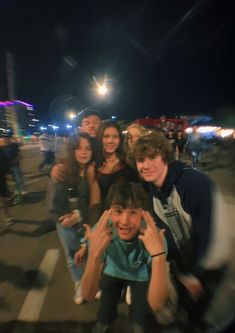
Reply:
x=164, y=57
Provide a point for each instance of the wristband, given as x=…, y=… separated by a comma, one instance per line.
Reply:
x=158, y=254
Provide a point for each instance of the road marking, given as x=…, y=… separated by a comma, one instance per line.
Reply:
x=32, y=181
x=31, y=308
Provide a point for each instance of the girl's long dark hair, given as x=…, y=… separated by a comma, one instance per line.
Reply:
x=71, y=166
x=119, y=151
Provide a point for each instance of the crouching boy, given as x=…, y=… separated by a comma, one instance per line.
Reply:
x=125, y=248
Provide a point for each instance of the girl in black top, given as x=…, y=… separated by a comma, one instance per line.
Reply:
x=111, y=166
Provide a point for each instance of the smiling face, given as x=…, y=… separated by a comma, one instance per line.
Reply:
x=83, y=152
x=152, y=170
x=110, y=140
x=90, y=125
x=126, y=221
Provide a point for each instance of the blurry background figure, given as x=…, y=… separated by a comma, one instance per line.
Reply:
x=180, y=144
x=134, y=132
x=4, y=170
x=47, y=149
x=195, y=145
x=11, y=150
x=170, y=135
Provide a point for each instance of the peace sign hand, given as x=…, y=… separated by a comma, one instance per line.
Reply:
x=100, y=237
x=150, y=236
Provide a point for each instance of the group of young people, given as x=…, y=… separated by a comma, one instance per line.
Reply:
x=134, y=211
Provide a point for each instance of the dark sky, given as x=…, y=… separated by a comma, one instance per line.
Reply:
x=164, y=56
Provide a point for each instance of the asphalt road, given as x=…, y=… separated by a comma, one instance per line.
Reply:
x=35, y=287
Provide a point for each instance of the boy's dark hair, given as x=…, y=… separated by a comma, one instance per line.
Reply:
x=87, y=113
x=153, y=145
x=126, y=195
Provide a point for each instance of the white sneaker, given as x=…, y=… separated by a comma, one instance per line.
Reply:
x=98, y=294
x=9, y=220
x=128, y=295
x=78, y=299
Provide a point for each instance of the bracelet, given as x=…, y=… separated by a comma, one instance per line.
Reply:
x=158, y=254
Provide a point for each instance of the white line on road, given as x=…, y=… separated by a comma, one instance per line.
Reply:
x=32, y=181
x=31, y=308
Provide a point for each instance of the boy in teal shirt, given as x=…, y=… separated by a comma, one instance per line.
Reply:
x=122, y=252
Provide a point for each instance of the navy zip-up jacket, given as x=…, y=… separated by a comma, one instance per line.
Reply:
x=191, y=210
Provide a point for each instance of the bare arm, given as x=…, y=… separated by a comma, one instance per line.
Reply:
x=158, y=287
x=94, y=190
x=153, y=242
x=99, y=239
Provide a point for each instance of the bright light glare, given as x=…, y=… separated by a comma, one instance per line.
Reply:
x=207, y=129
x=101, y=87
x=102, y=90
x=69, y=126
x=72, y=115
x=203, y=129
x=226, y=132
x=54, y=127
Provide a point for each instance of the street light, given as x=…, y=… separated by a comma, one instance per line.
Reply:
x=72, y=115
x=101, y=88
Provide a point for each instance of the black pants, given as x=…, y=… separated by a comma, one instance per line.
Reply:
x=111, y=289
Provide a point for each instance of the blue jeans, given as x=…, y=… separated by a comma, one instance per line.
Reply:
x=18, y=177
x=70, y=241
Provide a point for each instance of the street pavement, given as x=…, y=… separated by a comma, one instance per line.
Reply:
x=36, y=291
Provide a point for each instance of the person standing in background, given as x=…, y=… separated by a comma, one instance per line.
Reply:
x=4, y=170
x=12, y=152
x=195, y=145
x=47, y=150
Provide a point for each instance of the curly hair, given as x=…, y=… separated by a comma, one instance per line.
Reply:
x=152, y=145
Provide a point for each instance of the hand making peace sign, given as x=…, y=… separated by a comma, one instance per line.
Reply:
x=100, y=237
x=150, y=236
